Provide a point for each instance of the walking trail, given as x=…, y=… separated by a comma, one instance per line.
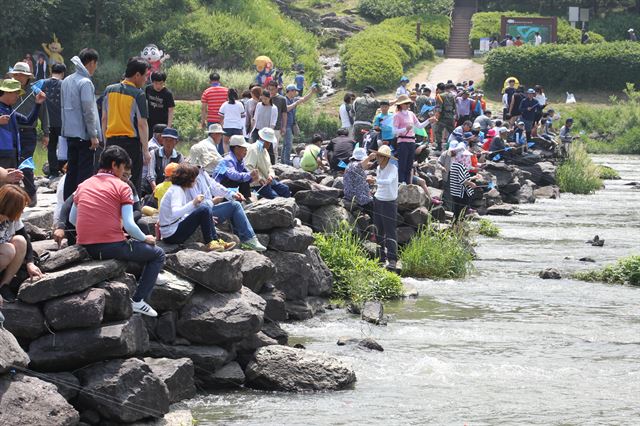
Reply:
x=457, y=70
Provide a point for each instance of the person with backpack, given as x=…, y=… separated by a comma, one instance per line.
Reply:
x=364, y=110
x=445, y=112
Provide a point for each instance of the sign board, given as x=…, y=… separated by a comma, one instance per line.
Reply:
x=526, y=28
x=574, y=14
x=584, y=15
x=484, y=44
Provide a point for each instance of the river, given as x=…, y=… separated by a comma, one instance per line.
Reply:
x=500, y=347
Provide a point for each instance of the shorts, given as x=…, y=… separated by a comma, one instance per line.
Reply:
x=229, y=131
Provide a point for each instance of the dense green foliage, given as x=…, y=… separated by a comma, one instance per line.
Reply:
x=357, y=278
x=312, y=121
x=213, y=33
x=379, y=10
x=578, y=174
x=625, y=271
x=614, y=129
x=608, y=173
x=614, y=26
x=377, y=55
x=188, y=81
x=436, y=253
x=186, y=120
x=566, y=67
x=487, y=24
x=557, y=7
x=488, y=228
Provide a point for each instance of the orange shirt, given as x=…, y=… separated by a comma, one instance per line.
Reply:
x=214, y=97
x=99, y=201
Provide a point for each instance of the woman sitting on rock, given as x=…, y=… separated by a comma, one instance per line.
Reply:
x=180, y=218
x=15, y=244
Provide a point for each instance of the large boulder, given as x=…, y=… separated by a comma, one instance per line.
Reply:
x=65, y=257
x=29, y=401
x=320, y=195
x=79, y=310
x=68, y=281
x=281, y=368
x=275, y=309
x=265, y=215
x=503, y=173
x=38, y=216
x=11, y=354
x=526, y=193
x=23, y=320
x=171, y=293
x=117, y=302
x=256, y=269
x=293, y=273
x=284, y=171
x=71, y=349
x=542, y=174
x=295, y=239
x=411, y=197
x=321, y=280
x=549, y=191
x=122, y=390
x=218, y=318
x=417, y=217
x=177, y=376
x=229, y=376
x=219, y=272
x=328, y=218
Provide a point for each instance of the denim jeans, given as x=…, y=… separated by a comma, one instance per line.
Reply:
x=136, y=251
x=274, y=189
x=200, y=217
x=233, y=210
x=286, y=148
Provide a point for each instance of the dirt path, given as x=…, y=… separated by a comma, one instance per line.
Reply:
x=457, y=70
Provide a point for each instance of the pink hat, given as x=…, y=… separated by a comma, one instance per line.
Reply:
x=491, y=133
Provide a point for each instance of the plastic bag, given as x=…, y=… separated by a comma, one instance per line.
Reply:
x=570, y=98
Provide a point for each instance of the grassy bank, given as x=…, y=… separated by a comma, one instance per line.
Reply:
x=624, y=271
x=357, y=278
x=436, y=253
x=578, y=174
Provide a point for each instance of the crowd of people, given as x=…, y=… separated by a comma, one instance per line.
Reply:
x=115, y=170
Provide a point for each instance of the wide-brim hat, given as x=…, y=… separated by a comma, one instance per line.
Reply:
x=385, y=151
x=215, y=128
x=267, y=134
x=403, y=99
x=11, y=85
x=201, y=156
x=359, y=154
x=21, y=68
x=238, y=140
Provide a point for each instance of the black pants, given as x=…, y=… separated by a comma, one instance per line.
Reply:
x=134, y=149
x=243, y=187
x=55, y=166
x=385, y=220
x=460, y=206
x=80, y=164
x=28, y=142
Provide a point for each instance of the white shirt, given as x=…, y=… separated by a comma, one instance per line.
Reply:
x=387, y=181
x=233, y=116
x=542, y=99
x=402, y=91
x=174, y=207
x=538, y=40
x=208, y=187
x=8, y=229
x=59, y=199
x=259, y=116
x=505, y=101
x=344, y=117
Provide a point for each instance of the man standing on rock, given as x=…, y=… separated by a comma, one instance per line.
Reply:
x=365, y=108
x=445, y=112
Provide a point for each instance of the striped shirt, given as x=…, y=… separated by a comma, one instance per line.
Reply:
x=457, y=176
x=124, y=104
x=214, y=97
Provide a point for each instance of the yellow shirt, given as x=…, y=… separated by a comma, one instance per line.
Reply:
x=161, y=190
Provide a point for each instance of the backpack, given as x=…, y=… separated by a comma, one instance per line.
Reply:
x=370, y=140
x=448, y=105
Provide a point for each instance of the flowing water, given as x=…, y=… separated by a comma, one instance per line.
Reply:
x=501, y=347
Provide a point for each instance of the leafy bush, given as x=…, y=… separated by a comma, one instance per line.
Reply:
x=311, y=121
x=566, y=67
x=376, y=56
x=578, y=174
x=436, y=253
x=379, y=10
x=608, y=173
x=186, y=120
x=487, y=24
x=625, y=271
x=188, y=80
x=109, y=71
x=614, y=26
x=488, y=228
x=357, y=278
x=228, y=34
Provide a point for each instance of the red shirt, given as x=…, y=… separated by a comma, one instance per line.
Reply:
x=99, y=201
x=214, y=97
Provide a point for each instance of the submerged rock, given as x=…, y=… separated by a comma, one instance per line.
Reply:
x=550, y=274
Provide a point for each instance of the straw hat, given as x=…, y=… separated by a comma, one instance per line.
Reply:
x=385, y=151
x=403, y=99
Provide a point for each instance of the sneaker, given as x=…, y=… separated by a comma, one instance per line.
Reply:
x=143, y=308
x=253, y=244
x=227, y=245
x=7, y=294
x=215, y=245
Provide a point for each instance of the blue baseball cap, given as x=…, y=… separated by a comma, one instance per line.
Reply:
x=404, y=78
x=531, y=91
x=291, y=87
x=170, y=133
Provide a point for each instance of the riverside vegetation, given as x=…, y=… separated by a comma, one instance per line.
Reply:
x=578, y=174
x=624, y=271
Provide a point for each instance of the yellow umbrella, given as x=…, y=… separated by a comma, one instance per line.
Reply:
x=505, y=85
x=261, y=62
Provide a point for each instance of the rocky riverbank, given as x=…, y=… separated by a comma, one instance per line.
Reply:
x=72, y=351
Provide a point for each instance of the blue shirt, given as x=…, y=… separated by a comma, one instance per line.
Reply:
x=385, y=122
x=9, y=134
x=291, y=115
x=236, y=171
x=299, y=81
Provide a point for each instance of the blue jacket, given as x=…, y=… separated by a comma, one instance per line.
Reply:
x=9, y=134
x=78, y=103
x=529, y=103
x=236, y=171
